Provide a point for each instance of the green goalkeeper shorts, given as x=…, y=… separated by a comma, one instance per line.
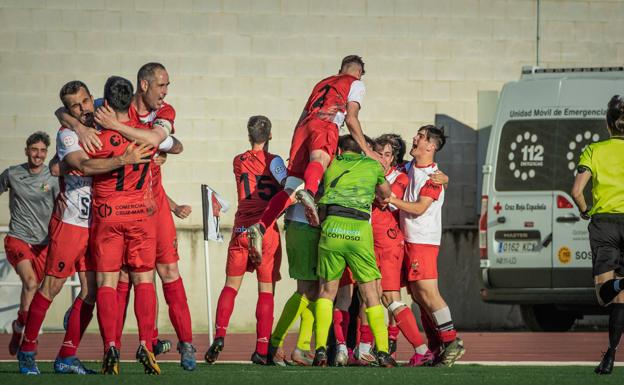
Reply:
x=346, y=241
x=302, y=249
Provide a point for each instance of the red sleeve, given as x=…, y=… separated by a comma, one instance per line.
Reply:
x=167, y=112
x=399, y=185
x=431, y=190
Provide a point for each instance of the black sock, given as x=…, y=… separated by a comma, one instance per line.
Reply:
x=608, y=291
x=616, y=324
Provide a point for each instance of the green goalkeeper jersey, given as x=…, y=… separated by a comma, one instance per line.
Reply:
x=350, y=181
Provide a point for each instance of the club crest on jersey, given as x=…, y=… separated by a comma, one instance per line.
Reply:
x=68, y=141
x=116, y=140
x=392, y=233
x=243, y=158
x=44, y=187
x=104, y=210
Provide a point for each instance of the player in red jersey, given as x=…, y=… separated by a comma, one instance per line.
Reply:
x=148, y=107
x=389, y=249
x=123, y=233
x=258, y=178
x=69, y=233
x=334, y=101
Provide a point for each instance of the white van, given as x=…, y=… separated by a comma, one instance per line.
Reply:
x=534, y=246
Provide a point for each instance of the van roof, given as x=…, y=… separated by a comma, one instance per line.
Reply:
x=533, y=72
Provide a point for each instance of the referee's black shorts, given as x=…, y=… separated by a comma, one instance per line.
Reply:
x=606, y=238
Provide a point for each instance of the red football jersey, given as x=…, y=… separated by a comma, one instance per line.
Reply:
x=255, y=185
x=329, y=97
x=124, y=194
x=166, y=112
x=386, y=230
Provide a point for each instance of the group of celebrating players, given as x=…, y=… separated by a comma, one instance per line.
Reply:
x=357, y=215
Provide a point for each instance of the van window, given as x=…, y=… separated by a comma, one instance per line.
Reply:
x=541, y=155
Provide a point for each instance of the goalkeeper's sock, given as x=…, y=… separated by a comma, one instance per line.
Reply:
x=36, y=314
x=264, y=321
x=179, y=312
x=323, y=317
x=306, y=328
x=312, y=176
x=292, y=309
x=225, y=307
x=377, y=322
x=145, y=312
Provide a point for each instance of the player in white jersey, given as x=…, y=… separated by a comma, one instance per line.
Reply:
x=421, y=223
x=69, y=234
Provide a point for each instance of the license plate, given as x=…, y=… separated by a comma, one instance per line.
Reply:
x=517, y=247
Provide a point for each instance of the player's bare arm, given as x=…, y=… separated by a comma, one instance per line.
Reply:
x=583, y=177
x=88, y=136
x=134, y=154
x=180, y=211
x=415, y=208
x=106, y=117
x=171, y=145
x=355, y=129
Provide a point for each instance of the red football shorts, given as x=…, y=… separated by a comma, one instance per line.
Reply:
x=17, y=251
x=238, y=261
x=166, y=237
x=131, y=243
x=347, y=278
x=67, y=251
x=390, y=262
x=312, y=135
x=421, y=261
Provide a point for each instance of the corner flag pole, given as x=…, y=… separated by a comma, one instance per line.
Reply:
x=206, y=202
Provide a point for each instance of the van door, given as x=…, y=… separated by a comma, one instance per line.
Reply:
x=571, y=253
x=521, y=229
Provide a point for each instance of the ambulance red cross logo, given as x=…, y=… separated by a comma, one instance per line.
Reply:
x=498, y=207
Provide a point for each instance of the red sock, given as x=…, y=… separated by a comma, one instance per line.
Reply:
x=393, y=332
x=123, y=295
x=433, y=339
x=155, y=336
x=407, y=323
x=36, y=314
x=145, y=312
x=346, y=318
x=179, y=313
x=264, y=322
x=107, y=314
x=22, y=317
x=337, y=323
x=276, y=206
x=312, y=176
x=366, y=335
x=225, y=306
x=75, y=327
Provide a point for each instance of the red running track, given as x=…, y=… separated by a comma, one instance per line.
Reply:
x=493, y=347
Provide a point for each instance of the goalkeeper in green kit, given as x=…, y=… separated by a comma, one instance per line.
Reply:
x=351, y=183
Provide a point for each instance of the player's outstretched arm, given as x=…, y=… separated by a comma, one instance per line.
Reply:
x=180, y=211
x=134, y=154
x=355, y=129
x=106, y=117
x=415, y=208
x=583, y=177
x=88, y=136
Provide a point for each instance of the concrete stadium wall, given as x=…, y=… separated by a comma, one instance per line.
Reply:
x=230, y=59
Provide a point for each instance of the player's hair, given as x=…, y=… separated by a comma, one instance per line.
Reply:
x=118, y=93
x=37, y=137
x=394, y=141
x=435, y=135
x=615, y=115
x=348, y=143
x=259, y=129
x=350, y=60
x=72, y=88
x=147, y=72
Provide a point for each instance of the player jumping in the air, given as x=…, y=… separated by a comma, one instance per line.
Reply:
x=259, y=175
x=421, y=222
x=334, y=101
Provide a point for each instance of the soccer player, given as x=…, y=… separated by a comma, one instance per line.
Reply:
x=69, y=236
x=334, y=101
x=302, y=250
x=601, y=163
x=148, y=107
x=346, y=239
x=389, y=249
x=259, y=175
x=32, y=191
x=123, y=232
x=421, y=222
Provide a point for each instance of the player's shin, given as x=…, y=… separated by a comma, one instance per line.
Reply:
x=376, y=320
x=312, y=176
x=407, y=323
x=616, y=324
x=79, y=317
x=264, y=318
x=179, y=313
x=107, y=315
x=36, y=314
x=145, y=312
x=292, y=309
x=123, y=296
x=323, y=317
x=225, y=307
x=305, y=329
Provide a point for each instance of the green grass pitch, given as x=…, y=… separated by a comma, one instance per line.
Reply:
x=223, y=374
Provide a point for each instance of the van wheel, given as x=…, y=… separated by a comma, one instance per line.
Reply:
x=547, y=318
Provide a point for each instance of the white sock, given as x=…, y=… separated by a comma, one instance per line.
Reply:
x=422, y=349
